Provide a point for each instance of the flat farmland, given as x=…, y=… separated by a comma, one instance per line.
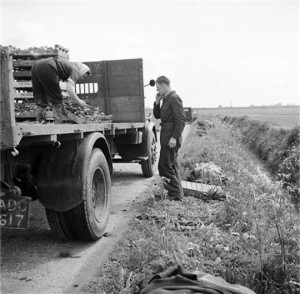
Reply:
x=284, y=116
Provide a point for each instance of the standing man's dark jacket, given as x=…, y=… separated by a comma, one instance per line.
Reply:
x=172, y=117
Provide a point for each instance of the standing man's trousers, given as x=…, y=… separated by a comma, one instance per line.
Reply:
x=168, y=168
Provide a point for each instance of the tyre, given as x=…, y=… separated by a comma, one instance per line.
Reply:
x=148, y=165
x=90, y=217
x=61, y=225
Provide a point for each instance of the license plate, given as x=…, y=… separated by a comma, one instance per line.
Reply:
x=14, y=212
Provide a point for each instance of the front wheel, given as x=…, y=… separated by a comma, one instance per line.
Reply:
x=91, y=216
x=148, y=165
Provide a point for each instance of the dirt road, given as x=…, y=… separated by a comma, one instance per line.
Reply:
x=33, y=261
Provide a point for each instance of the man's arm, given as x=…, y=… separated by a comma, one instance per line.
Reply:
x=179, y=117
x=156, y=107
x=71, y=92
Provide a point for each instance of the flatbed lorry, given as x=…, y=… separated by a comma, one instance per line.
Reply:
x=68, y=166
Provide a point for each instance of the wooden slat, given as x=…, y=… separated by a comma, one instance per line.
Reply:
x=70, y=116
x=23, y=84
x=106, y=99
x=24, y=63
x=142, y=94
x=38, y=55
x=26, y=114
x=28, y=84
x=22, y=74
x=28, y=95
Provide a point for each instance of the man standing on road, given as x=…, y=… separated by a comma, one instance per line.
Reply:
x=172, y=117
x=45, y=76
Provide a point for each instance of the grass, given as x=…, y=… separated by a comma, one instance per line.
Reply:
x=284, y=116
x=277, y=147
x=251, y=239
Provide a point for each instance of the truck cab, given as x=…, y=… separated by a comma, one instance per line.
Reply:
x=188, y=114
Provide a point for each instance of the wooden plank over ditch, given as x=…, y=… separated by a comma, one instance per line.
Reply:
x=200, y=190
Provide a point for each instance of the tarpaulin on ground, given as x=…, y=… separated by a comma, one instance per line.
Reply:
x=208, y=173
x=177, y=280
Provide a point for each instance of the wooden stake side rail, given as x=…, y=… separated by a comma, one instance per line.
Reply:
x=28, y=84
x=36, y=53
x=29, y=134
x=23, y=63
x=29, y=95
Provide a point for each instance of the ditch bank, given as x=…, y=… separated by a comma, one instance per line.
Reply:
x=277, y=147
x=250, y=238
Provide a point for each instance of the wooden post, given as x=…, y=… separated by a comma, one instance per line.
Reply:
x=7, y=98
x=106, y=98
x=142, y=95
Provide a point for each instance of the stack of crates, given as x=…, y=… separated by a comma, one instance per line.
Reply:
x=23, y=60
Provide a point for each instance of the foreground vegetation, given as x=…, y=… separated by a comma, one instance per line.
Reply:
x=251, y=238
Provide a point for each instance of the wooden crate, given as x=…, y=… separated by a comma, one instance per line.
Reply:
x=23, y=60
x=38, y=53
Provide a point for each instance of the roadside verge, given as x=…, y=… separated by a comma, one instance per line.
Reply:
x=250, y=238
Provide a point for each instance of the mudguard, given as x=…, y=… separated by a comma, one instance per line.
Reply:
x=63, y=171
x=138, y=151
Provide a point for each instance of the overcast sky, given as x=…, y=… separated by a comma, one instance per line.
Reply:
x=214, y=52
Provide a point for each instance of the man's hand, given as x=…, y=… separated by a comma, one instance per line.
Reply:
x=82, y=103
x=172, y=143
x=158, y=98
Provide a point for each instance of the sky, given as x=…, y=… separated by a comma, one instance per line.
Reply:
x=238, y=52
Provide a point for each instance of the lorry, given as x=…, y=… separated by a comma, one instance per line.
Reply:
x=68, y=166
x=188, y=114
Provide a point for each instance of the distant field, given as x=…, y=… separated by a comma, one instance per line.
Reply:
x=285, y=116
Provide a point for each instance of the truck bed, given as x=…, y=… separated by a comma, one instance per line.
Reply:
x=25, y=134
x=115, y=87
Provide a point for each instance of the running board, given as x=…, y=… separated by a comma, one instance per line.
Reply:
x=138, y=160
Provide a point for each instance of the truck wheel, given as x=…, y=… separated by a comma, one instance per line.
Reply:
x=148, y=165
x=91, y=216
x=61, y=225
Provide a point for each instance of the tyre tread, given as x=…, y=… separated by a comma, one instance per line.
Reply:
x=80, y=213
x=147, y=166
x=60, y=225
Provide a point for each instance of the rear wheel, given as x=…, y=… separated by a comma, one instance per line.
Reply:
x=148, y=165
x=90, y=217
x=61, y=224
